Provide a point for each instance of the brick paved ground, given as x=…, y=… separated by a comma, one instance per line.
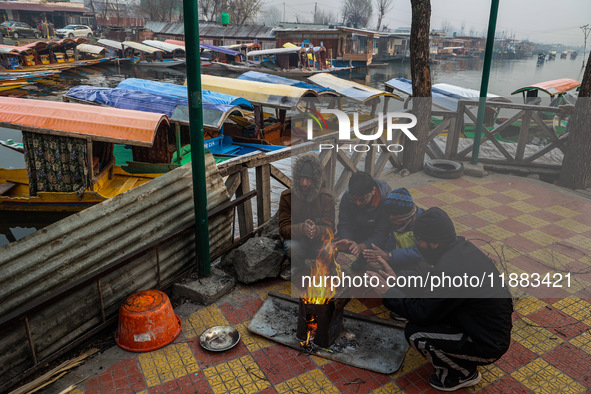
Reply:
x=524, y=226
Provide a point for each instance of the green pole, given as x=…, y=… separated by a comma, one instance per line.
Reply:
x=490, y=42
x=191, y=19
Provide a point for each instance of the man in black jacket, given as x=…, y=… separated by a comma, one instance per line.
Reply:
x=360, y=210
x=456, y=325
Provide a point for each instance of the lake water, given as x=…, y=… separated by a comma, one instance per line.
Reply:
x=505, y=77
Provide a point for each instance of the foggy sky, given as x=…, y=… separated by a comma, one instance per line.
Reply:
x=550, y=21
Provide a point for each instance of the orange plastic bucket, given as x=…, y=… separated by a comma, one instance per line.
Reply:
x=147, y=322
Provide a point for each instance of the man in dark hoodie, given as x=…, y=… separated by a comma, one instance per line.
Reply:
x=456, y=326
x=360, y=210
x=306, y=211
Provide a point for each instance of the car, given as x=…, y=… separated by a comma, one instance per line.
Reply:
x=16, y=29
x=72, y=31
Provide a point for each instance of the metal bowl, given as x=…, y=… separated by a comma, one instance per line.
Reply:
x=219, y=338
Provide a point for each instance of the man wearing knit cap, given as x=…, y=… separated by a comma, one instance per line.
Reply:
x=360, y=209
x=455, y=325
x=394, y=240
x=306, y=211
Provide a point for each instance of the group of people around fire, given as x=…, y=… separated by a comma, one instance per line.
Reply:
x=456, y=328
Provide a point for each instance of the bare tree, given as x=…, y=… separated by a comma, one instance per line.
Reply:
x=240, y=11
x=414, y=151
x=357, y=12
x=270, y=16
x=157, y=10
x=382, y=8
x=576, y=165
x=324, y=18
x=445, y=26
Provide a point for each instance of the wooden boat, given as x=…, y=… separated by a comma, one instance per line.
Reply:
x=4, y=86
x=174, y=50
x=114, y=50
x=149, y=56
x=80, y=170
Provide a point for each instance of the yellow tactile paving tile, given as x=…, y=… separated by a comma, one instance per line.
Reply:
x=485, y=202
x=283, y=287
x=490, y=216
x=481, y=190
x=167, y=364
x=531, y=221
x=490, y=374
x=416, y=194
x=583, y=341
x=533, y=337
x=460, y=228
x=575, y=307
x=477, y=181
x=562, y=211
x=525, y=306
x=310, y=382
x=320, y=361
x=453, y=211
x=540, y=237
x=448, y=198
x=516, y=194
x=381, y=311
x=523, y=207
x=76, y=391
x=575, y=284
x=252, y=342
x=581, y=243
x=389, y=388
x=573, y=225
x=541, y=377
x=412, y=360
x=496, y=232
x=551, y=258
x=202, y=320
x=355, y=306
x=241, y=375
x=447, y=186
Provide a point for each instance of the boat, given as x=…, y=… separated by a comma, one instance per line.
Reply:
x=573, y=55
x=276, y=79
x=541, y=57
x=81, y=170
x=173, y=50
x=219, y=55
x=290, y=61
x=149, y=56
x=15, y=146
x=9, y=85
x=557, y=89
x=114, y=50
x=552, y=55
x=564, y=55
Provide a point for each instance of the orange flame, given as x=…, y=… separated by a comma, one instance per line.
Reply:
x=321, y=271
x=310, y=331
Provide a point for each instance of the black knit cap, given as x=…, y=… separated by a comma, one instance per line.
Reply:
x=434, y=225
x=361, y=183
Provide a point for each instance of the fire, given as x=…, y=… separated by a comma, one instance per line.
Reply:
x=325, y=259
x=310, y=331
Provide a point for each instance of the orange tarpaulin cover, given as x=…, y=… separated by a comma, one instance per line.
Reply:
x=81, y=121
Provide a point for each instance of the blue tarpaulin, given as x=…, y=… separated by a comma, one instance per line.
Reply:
x=221, y=50
x=174, y=107
x=169, y=89
x=276, y=79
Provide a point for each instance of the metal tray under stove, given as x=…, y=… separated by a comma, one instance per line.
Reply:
x=366, y=342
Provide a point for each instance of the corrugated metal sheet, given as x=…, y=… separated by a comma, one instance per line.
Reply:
x=68, y=7
x=214, y=30
x=86, y=242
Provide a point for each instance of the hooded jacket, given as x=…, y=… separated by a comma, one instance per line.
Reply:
x=358, y=223
x=295, y=206
x=483, y=312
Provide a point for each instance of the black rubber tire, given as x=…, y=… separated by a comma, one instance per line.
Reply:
x=89, y=35
x=445, y=169
x=15, y=35
x=70, y=35
x=37, y=35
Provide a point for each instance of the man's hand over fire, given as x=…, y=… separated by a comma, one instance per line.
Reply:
x=374, y=253
x=348, y=245
x=310, y=229
x=382, y=275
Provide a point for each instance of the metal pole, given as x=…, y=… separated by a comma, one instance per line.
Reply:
x=586, y=30
x=191, y=22
x=490, y=42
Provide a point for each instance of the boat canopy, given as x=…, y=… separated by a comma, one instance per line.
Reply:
x=165, y=46
x=169, y=89
x=9, y=50
x=350, y=89
x=226, y=51
x=80, y=121
x=176, y=42
x=141, y=47
x=94, y=49
x=262, y=93
x=110, y=43
x=444, y=95
x=276, y=79
x=275, y=51
x=176, y=108
x=552, y=88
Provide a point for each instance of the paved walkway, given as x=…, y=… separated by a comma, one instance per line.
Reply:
x=526, y=226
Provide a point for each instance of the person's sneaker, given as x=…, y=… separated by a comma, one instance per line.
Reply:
x=453, y=382
x=286, y=273
x=397, y=317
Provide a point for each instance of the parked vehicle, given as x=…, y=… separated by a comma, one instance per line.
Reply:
x=16, y=29
x=72, y=31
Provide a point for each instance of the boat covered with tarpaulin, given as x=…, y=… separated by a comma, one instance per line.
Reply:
x=279, y=80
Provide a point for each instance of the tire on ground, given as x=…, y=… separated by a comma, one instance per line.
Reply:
x=445, y=169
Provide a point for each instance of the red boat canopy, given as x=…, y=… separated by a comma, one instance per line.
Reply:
x=557, y=86
x=95, y=123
